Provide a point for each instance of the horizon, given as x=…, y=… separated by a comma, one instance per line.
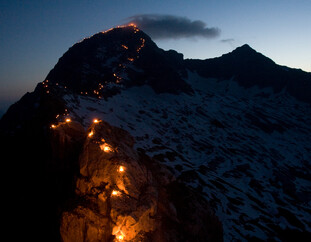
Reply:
x=36, y=34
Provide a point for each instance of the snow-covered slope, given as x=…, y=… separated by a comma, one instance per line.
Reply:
x=247, y=150
x=236, y=128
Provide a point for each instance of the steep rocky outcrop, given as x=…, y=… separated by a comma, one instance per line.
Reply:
x=124, y=195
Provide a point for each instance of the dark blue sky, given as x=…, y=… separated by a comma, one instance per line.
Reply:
x=34, y=34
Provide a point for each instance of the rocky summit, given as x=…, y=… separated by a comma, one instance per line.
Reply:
x=124, y=141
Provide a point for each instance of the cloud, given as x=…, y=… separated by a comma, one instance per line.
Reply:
x=229, y=42
x=173, y=27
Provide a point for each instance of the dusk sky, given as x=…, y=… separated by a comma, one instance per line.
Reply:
x=34, y=34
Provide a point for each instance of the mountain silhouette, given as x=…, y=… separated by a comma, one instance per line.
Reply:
x=125, y=141
x=250, y=68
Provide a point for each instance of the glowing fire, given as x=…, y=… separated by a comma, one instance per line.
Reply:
x=96, y=121
x=133, y=25
x=105, y=147
x=118, y=233
x=91, y=134
x=120, y=26
x=53, y=126
x=115, y=193
x=121, y=169
x=68, y=120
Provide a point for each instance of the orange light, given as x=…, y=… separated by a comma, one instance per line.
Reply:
x=95, y=121
x=120, y=237
x=115, y=193
x=68, y=120
x=53, y=126
x=91, y=134
x=105, y=147
x=121, y=169
x=133, y=25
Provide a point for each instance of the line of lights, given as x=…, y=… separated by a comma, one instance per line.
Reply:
x=98, y=91
x=51, y=86
x=117, y=79
x=106, y=148
x=65, y=119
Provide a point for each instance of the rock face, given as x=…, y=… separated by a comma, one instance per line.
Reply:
x=123, y=195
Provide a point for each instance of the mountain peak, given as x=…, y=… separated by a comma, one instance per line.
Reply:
x=130, y=31
x=131, y=27
x=245, y=51
x=119, y=57
x=251, y=68
x=245, y=47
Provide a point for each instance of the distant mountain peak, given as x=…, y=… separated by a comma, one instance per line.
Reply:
x=246, y=47
x=246, y=51
x=251, y=68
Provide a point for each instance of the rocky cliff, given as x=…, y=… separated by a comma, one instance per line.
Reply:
x=123, y=195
